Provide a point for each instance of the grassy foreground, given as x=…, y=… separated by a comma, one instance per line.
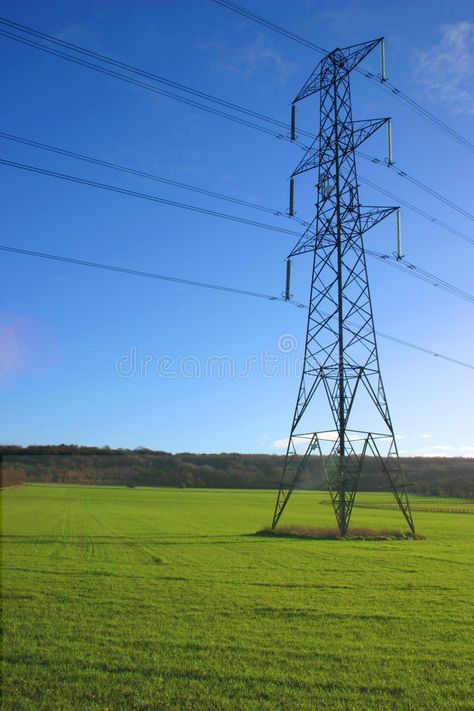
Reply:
x=162, y=599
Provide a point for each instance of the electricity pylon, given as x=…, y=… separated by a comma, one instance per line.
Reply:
x=341, y=365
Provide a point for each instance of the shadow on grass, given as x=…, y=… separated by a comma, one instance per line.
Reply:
x=333, y=534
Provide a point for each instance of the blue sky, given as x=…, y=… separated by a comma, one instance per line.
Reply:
x=100, y=358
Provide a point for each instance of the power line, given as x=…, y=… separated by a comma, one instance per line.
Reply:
x=142, y=174
x=419, y=184
x=210, y=193
x=240, y=10
x=128, y=67
x=418, y=210
x=386, y=85
x=182, y=205
x=146, y=74
x=402, y=342
x=409, y=268
x=221, y=196
x=145, y=196
x=421, y=110
x=201, y=190
x=141, y=72
x=421, y=274
x=150, y=87
x=189, y=102
x=217, y=287
x=139, y=83
x=148, y=275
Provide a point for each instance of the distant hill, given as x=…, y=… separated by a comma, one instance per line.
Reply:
x=71, y=464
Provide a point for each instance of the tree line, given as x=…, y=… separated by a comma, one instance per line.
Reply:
x=72, y=464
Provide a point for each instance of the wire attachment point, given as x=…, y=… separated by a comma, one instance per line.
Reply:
x=389, y=144
x=383, y=75
x=398, y=253
x=293, y=122
x=291, y=210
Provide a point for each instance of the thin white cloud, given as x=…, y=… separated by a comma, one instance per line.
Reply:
x=425, y=436
x=442, y=447
x=283, y=443
x=446, y=70
x=467, y=449
x=251, y=58
x=330, y=436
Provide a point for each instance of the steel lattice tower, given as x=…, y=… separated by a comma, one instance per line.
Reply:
x=341, y=365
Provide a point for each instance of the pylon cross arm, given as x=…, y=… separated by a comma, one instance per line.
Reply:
x=362, y=130
x=306, y=241
x=342, y=61
x=371, y=216
x=310, y=160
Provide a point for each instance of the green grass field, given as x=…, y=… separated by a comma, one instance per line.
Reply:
x=163, y=599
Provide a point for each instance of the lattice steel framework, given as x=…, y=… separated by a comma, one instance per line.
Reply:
x=341, y=360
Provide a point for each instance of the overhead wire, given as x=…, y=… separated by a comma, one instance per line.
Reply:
x=144, y=196
x=411, y=269
x=143, y=174
x=422, y=274
x=418, y=210
x=186, y=186
x=139, y=83
x=419, y=184
x=217, y=287
x=383, y=83
x=142, y=72
x=211, y=98
x=245, y=12
x=146, y=274
x=182, y=99
x=421, y=110
x=130, y=68
x=184, y=88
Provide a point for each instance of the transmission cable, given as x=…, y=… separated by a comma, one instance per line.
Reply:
x=201, y=190
x=156, y=90
x=221, y=196
x=139, y=83
x=414, y=271
x=419, y=184
x=217, y=287
x=385, y=84
x=148, y=275
x=422, y=274
x=128, y=67
x=421, y=110
x=235, y=107
x=145, y=196
x=191, y=102
x=142, y=72
x=210, y=193
x=418, y=210
x=240, y=10
x=143, y=174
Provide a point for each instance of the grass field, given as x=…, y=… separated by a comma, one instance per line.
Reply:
x=163, y=599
